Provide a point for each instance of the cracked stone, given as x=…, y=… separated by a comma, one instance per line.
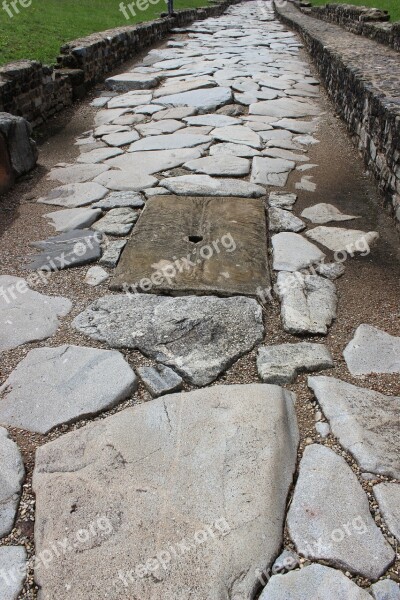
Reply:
x=75, y=195
x=112, y=253
x=117, y=221
x=292, y=252
x=69, y=249
x=325, y=213
x=119, y=200
x=204, y=100
x=221, y=164
x=283, y=200
x=160, y=380
x=282, y=363
x=271, y=171
x=73, y=218
x=155, y=161
x=372, y=351
x=388, y=498
x=283, y=220
x=12, y=474
x=237, y=134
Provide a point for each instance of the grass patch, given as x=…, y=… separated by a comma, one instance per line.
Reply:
x=38, y=31
x=392, y=6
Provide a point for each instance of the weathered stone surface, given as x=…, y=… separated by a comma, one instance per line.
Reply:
x=69, y=249
x=121, y=139
x=325, y=213
x=25, y=315
x=297, y=126
x=117, y=221
x=154, y=161
x=386, y=589
x=125, y=181
x=327, y=496
x=283, y=220
x=308, y=303
x=271, y=171
x=284, y=107
x=160, y=127
x=237, y=134
x=173, y=227
x=304, y=584
x=21, y=149
x=112, y=253
x=233, y=149
x=212, y=119
x=160, y=380
x=221, y=164
x=283, y=200
x=388, y=498
x=364, y=421
x=96, y=275
x=169, y=142
x=73, y=218
x=178, y=87
x=194, y=462
x=179, y=112
x=292, y=252
x=372, y=351
x=285, y=154
x=12, y=474
x=120, y=199
x=198, y=336
x=338, y=239
x=98, y=155
x=75, y=195
x=206, y=100
x=51, y=386
x=130, y=100
x=331, y=270
x=204, y=185
x=132, y=81
x=76, y=173
x=13, y=567
x=282, y=363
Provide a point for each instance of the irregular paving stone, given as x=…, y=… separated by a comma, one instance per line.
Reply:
x=198, y=336
x=221, y=164
x=237, y=134
x=112, y=253
x=284, y=107
x=292, y=252
x=160, y=127
x=73, y=218
x=364, y=421
x=120, y=199
x=306, y=184
x=213, y=119
x=155, y=161
x=172, y=227
x=125, y=181
x=98, y=155
x=110, y=128
x=304, y=584
x=121, y=139
x=285, y=154
x=51, y=386
x=69, y=249
x=308, y=303
x=117, y=221
x=26, y=315
x=75, y=195
x=205, y=100
x=76, y=173
x=160, y=380
x=271, y=171
x=372, y=351
x=338, y=239
x=179, y=112
x=12, y=474
x=130, y=100
x=283, y=220
x=325, y=213
x=282, y=363
x=95, y=276
x=132, y=81
x=13, y=568
x=297, y=126
x=178, y=87
x=233, y=149
x=282, y=200
x=148, y=109
x=329, y=517
x=195, y=462
x=386, y=589
x=169, y=142
x=331, y=270
x=204, y=185
x=157, y=191
x=388, y=498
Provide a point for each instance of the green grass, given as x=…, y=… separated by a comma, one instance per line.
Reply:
x=39, y=30
x=392, y=6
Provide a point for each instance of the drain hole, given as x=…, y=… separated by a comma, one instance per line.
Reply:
x=195, y=239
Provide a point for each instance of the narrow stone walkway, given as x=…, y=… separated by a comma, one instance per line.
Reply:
x=214, y=240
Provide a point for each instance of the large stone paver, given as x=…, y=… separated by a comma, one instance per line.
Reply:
x=205, y=100
x=198, y=336
x=372, y=351
x=204, y=185
x=75, y=195
x=26, y=315
x=12, y=474
x=51, y=386
x=209, y=472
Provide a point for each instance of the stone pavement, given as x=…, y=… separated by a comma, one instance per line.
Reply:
x=180, y=201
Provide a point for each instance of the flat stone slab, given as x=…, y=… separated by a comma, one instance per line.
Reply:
x=221, y=164
x=13, y=567
x=283, y=220
x=233, y=149
x=117, y=221
x=372, y=351
x=271, y=171
x=284, y=107
x=204, y=185
x=155, y=161
x=179, y=112
x=212, y=119
x=200, y=337
x=98, y=155
x=308, y=303
x=365, y=422
x=282, y=200
x=73, y=218
x=160, y=380
x=195, y=463
x=325, y=213
x=160, y=127
x=237, y=134
x=121, y=139
x=12, y=474
x=178, y=87
x=112, y=253
x=292, y=252
x=169, y=142
x=76, y=173
x=26, y=315
x=285, y=154
x=327, y=496
x=70, y=249
x=197, y=245
x=52, y=386
x=132, y=81
x=297, y=126
x=388, y=498
x=125, y=181
x=338, y=239
x=204, y=100
x=282, y=363
x=75, y=195
x=386, y=589
x=302, y=584
x=96, y=275
x=120, y=199
x=130, y=100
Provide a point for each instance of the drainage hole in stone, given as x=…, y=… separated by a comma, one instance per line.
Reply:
x=195, y=239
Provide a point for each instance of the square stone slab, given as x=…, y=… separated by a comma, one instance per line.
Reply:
x=197, y=245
